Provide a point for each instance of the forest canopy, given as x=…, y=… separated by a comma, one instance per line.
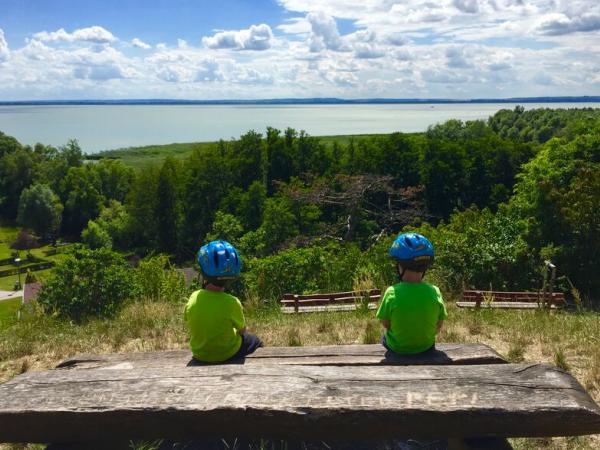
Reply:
x=496, y=197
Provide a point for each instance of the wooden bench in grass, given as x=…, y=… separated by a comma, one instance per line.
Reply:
x=511, y=300
x=302, y=402
x=335, y=301
x=326, y=355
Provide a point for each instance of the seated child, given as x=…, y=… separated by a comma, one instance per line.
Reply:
x=215, y=319
x=411, y=311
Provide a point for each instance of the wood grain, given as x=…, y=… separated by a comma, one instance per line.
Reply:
x=335, y=355
x=295, y=402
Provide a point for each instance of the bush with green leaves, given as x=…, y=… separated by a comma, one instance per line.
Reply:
x=479, y=249
x=94, y=236
x=158, y=280
x=302, y=270
x=88, y=283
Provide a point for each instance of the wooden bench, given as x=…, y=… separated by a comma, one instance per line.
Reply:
x=325, y=355
x=511, y=300
x=336, y=301
x=94, y=398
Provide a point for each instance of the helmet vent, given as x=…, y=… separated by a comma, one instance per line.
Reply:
x=408, y=242
x=216, y=258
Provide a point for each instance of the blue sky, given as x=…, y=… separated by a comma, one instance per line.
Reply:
x=225, y=49
x=152, y=21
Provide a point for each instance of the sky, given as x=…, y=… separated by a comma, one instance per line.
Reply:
x=258, y=49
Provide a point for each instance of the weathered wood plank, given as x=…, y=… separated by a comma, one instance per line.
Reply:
x=295, y=402
x=504, y=305
x=336, y=355
x=325, y=308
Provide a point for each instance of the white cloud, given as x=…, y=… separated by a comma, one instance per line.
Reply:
x=4, y=51
x=384, y=48
x=467, y=6
x=140, y=44
x=95, y=34
x=441, y=76
x=257, y=37
x=558, y=24
x=457, y=58
x=324, y=33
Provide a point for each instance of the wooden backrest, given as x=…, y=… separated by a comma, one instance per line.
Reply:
x=372, y=295
x=500, y=296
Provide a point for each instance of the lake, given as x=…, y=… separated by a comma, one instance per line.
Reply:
x=105, y=127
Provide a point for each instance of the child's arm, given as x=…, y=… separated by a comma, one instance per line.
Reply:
x=385, y=323
x=440, y=324
x=241, y=331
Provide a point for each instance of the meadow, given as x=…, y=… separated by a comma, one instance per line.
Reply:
x=148, y=155
x=569, y=340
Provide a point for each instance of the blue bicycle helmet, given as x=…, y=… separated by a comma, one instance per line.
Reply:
x=219, y=260
x=413, y=251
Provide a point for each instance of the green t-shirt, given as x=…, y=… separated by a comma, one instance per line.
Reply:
x=213, y=319
x=413, y=310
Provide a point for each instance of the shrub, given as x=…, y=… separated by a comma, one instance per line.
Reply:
x=94, y=236
x=302, y=270
x=158, y=280
x=88, y=283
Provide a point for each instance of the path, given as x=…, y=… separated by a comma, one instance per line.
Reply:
x=9, y=295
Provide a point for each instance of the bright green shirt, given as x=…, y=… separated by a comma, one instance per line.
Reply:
x=213, y=319
x=413, y=310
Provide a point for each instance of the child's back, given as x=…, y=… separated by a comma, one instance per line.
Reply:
x=214, y=319
x=413, y=311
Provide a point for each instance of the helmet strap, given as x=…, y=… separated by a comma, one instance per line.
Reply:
x=400, y=270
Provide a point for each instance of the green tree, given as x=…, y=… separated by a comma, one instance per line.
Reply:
x=8, y=144
x=88, y=283
x=226, y=227
x=95, y=236
x=279, y=222
x=141, y=207
x=80, y=192
x=17, y=171
x=40, y=209
x=168, y=211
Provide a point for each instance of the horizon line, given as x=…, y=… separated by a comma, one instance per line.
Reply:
x=305, y=100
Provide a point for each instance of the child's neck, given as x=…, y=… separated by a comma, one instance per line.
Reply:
x=214, y=287
x=412, y=277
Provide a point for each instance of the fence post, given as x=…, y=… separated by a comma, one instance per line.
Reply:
x=295, y=302
x=552, y=268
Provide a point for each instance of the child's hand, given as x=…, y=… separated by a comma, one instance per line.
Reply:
x=241, y=331
x=385, y=323
x=440, y=324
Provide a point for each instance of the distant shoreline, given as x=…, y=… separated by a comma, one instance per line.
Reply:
x=304, y=101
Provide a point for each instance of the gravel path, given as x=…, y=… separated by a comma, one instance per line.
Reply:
x=8, y=295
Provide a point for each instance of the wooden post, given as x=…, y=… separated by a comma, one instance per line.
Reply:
x=548, y=284
x=478, y=300
x=295, y=303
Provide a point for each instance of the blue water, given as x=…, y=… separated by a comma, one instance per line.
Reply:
x=104, y=127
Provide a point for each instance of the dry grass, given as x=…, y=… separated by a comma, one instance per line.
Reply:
x=570, y=340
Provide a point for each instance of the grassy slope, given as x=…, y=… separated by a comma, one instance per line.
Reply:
x=9, y=308
x=143, y=156
x=567, y=339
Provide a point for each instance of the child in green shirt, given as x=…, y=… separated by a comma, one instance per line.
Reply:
x=412, y=311
x=215, y=319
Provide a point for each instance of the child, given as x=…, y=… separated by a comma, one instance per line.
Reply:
x=215, y=319
x=412, y=312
